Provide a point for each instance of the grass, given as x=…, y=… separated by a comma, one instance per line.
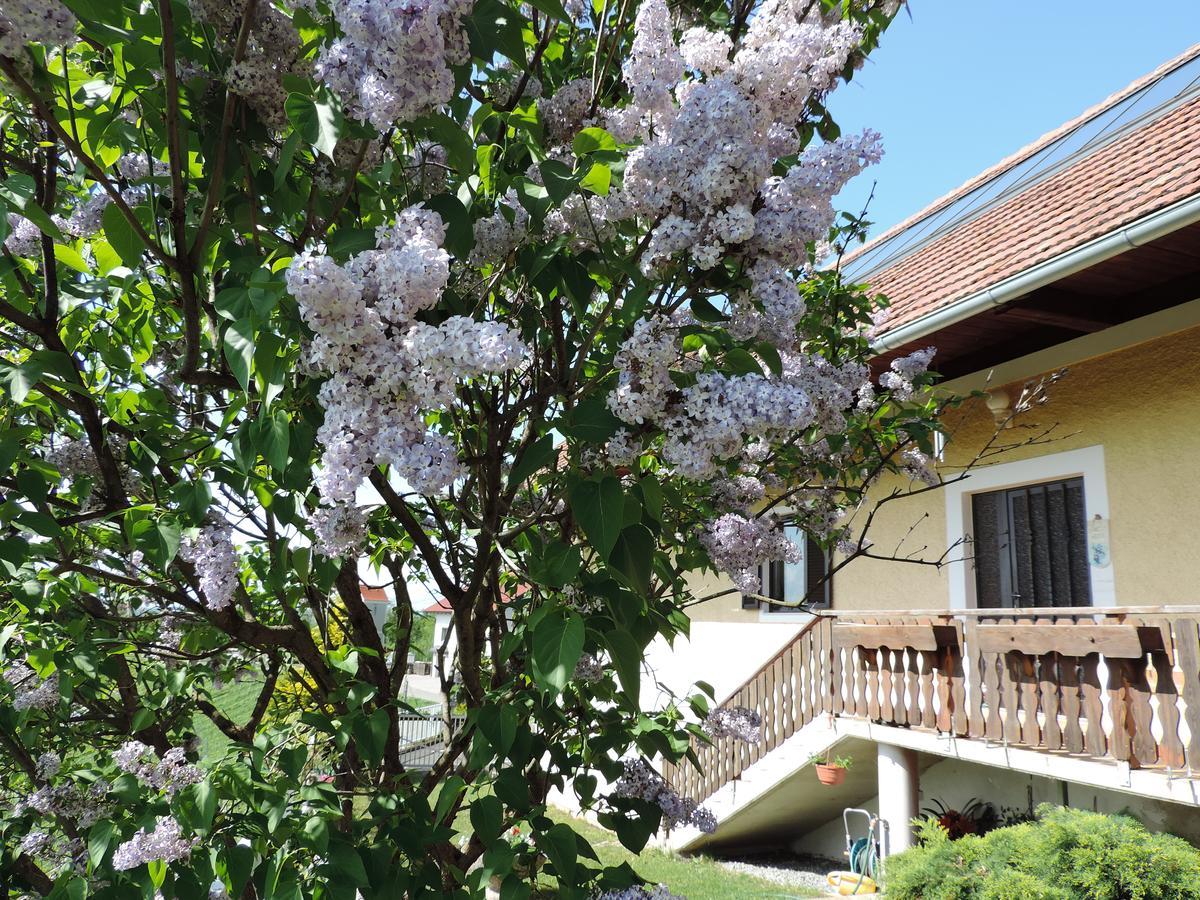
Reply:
x=694, y=877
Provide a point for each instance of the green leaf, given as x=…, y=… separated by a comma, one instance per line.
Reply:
x=318, y=121
x=537, y=456
x=633, y=557
x=499, y=726
x=370, y=736
x=70, y=257
x=551, y=8
x=556, y=566
x=557, y=645
x=591, y=139
x=276, y=436
x=739, y=362
x=99, y=839
x=122, y=237
x=460, y=150
x=451, y=788
x=206, y=805
x=627, y=660
x=560, y=845
x=346, y=861
x=239, y=350
x=599, y=507
x=703, y=310
x=598, y=179
x=460, y=234
x=559, y=180
x=652, y=496
x=487, y=818
x=592, y=421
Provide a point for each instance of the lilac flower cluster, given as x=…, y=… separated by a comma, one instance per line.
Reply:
x=899, y=377
x=212, y=553
x=736, y=722
x=165, y=843
x=34, y=22
x=48, y=765
x=393, y=63
x=637, y=892
x=386, y=367
x=69, y=801
x=172, y=773
x=30, y=690
x=640, y=781
x=338, y=530
x=738, y=545
x=588, y=669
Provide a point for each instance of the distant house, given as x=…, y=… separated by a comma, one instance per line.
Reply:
x=1056, y=656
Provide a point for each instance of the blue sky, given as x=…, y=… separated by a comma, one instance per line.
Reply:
x=961, y=84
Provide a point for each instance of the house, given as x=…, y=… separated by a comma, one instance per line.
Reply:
x=1054, y=654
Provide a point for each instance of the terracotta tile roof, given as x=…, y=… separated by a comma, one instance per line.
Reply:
x=1143, y=171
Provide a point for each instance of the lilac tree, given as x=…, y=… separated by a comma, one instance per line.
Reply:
x=516, y=301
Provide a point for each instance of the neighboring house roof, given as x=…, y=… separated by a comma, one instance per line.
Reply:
x=442, y=606
x=1114, y=172
x=373, y=594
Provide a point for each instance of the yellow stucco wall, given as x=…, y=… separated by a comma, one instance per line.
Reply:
x=1140, y=402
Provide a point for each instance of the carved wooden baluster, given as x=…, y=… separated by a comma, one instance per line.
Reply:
x=1121, y=739
x=839, y=700
x=922, y=670
x=870, y=663
x=821, y=669
x=1031, y=734
x=973, y=667
x=1170, y=748
x=788, y=691
x=1094, y=740
x=1187, y=657
x=994, y=726
x=1141, y=712
x=858, y=671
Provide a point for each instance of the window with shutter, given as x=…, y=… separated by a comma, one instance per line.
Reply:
x=1030, y=546
x=789, y=582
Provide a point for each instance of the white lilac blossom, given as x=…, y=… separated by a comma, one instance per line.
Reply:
x=172, y=773
x=563, y=112
x=705, y=51
x=386, y=367
x=24, y=238
x=165, y=843
x=736, y=722
x=637, y=892
x=623, y=448
x=393, y=63
x=31, y=691
x=339, y=529
x=34, y=22
x=498, y=235
x=738, y=545
x=36, y=843
x=919, y=467
x=640, y=781
x=899, y=377
x=588, y=669
x=213, y=555
x=69, y=801
x=48, y=765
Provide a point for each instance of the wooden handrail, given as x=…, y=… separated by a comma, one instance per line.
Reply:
x=1122, y=684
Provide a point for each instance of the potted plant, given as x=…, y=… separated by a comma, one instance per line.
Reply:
x=831, y=770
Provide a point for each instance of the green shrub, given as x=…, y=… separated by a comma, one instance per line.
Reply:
x=1064, y=854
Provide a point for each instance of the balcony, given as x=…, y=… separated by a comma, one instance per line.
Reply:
x=1119, y=686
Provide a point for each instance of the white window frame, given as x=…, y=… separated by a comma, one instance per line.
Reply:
x=1087, y=462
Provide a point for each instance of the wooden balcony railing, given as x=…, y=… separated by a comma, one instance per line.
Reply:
x=1120, y=684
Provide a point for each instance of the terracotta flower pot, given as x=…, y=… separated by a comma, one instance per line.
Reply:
x=830, y=774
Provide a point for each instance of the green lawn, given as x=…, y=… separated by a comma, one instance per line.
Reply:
x=694, y=877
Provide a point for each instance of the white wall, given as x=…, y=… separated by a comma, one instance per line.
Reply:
x=725, y=654
x=955, y=783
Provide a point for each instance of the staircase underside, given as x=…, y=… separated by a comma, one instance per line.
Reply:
x=779, y=800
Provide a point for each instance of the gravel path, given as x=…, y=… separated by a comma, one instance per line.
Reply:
x=786, y=869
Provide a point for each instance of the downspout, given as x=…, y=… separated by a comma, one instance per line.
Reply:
x=1143, y=231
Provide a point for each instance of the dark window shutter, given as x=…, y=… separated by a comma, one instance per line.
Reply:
x=819, y=589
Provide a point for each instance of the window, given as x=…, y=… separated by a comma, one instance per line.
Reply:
x=789, y=582
x=1030, y=546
